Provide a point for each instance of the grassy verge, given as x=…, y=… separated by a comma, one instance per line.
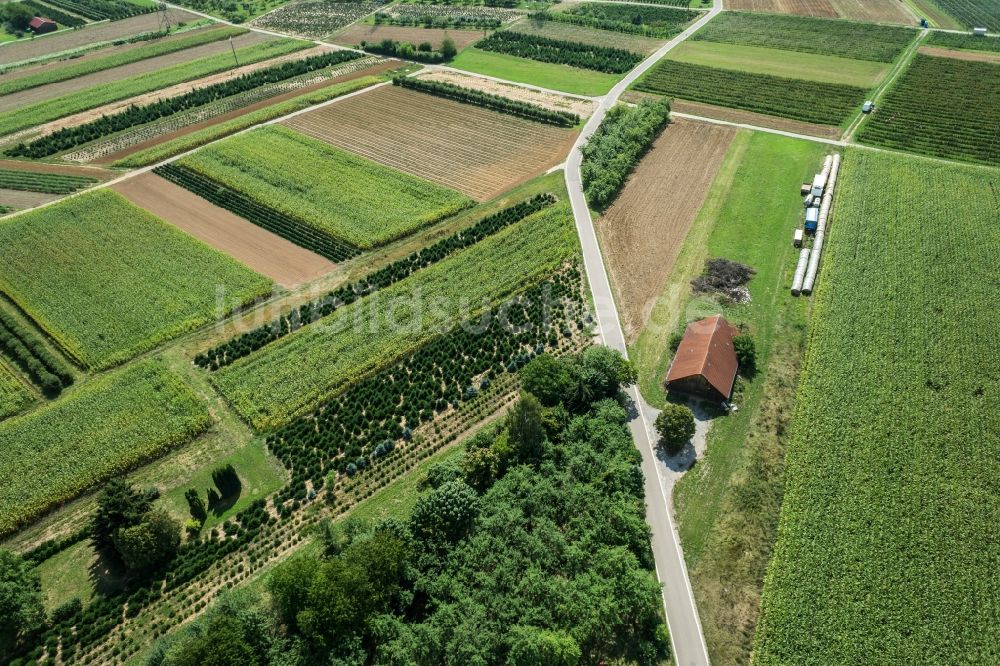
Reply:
x=52, y=109
x=151, y=50
x=728, y=504
x=187, y=142
x=542, y=74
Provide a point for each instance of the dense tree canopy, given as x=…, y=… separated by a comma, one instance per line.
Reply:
x=20, y=600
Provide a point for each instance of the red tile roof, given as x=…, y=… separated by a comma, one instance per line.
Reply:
x=707, y=350
x=39, y=21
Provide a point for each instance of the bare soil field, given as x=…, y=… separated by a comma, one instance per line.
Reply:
x=286, y=263
x=874, y=11
x=974, y=56
x=359, y=32
x=476, y=151
x=552, y=101
x=91, y=34
x=368, y=71
x=53, y=90
x=19, y=199
x=756, y=119
x=149, y=98
x=643, y=230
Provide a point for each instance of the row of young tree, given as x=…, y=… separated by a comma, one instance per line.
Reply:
x=70, y=137
x=561, y=52
x=49, y=372
x=549, y=502
x=610, y=155
x=422, y=52
x=489, y=101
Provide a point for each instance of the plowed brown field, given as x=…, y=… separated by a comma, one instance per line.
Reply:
x=286, y=263
x=643, y=230
x=478, y=152
x=875, y=11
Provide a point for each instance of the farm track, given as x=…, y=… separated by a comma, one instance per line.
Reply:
x=149, y=65
x=479, y=152
x=265, y=252
x=643, y=230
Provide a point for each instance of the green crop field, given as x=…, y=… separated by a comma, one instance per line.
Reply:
x=587, y=35
x=824, y=103
x=102, y=429
x=545, y=74
x=887, y=548
x=860, y=41
x=655, y=21
x=14, y=395
x=942, y=107
x=151, y=50
x=973, y=13
x=34, y=181
x=285, y=378
x=336, y=192
x=108, y=280
x=52, y=109
x=760, y=60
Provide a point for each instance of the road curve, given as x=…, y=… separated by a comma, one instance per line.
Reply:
x=682, y=615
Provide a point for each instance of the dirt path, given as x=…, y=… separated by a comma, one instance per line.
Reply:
x=758, y=119
x=643, y=231
x=368, y=71
x=286, y=263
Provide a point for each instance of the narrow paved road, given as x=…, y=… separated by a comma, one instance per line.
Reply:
x=678, y=601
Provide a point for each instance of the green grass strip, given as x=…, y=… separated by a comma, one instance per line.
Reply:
x=52, y=109
x=152, y=50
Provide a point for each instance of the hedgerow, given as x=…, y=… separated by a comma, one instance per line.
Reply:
x=47, y=371
x=307, y=313
x=70, y=137
x=423, y=52
x=846, y=39
x=558, y=51
x=609, y=156
x=489, y=101
x=810, y=101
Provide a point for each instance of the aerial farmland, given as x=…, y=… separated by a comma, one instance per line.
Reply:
x=499, y=332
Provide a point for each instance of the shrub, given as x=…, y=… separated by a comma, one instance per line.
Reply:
x=675, y=426
x=746, y=352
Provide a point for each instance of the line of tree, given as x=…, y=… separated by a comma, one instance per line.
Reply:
x=70, y=137
x=437, y=21
x=561, y=52
x=248, y=342
x=550, y=503
x=21, y=345
x=422, y=52
x=489, y=101
x=610, y=155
